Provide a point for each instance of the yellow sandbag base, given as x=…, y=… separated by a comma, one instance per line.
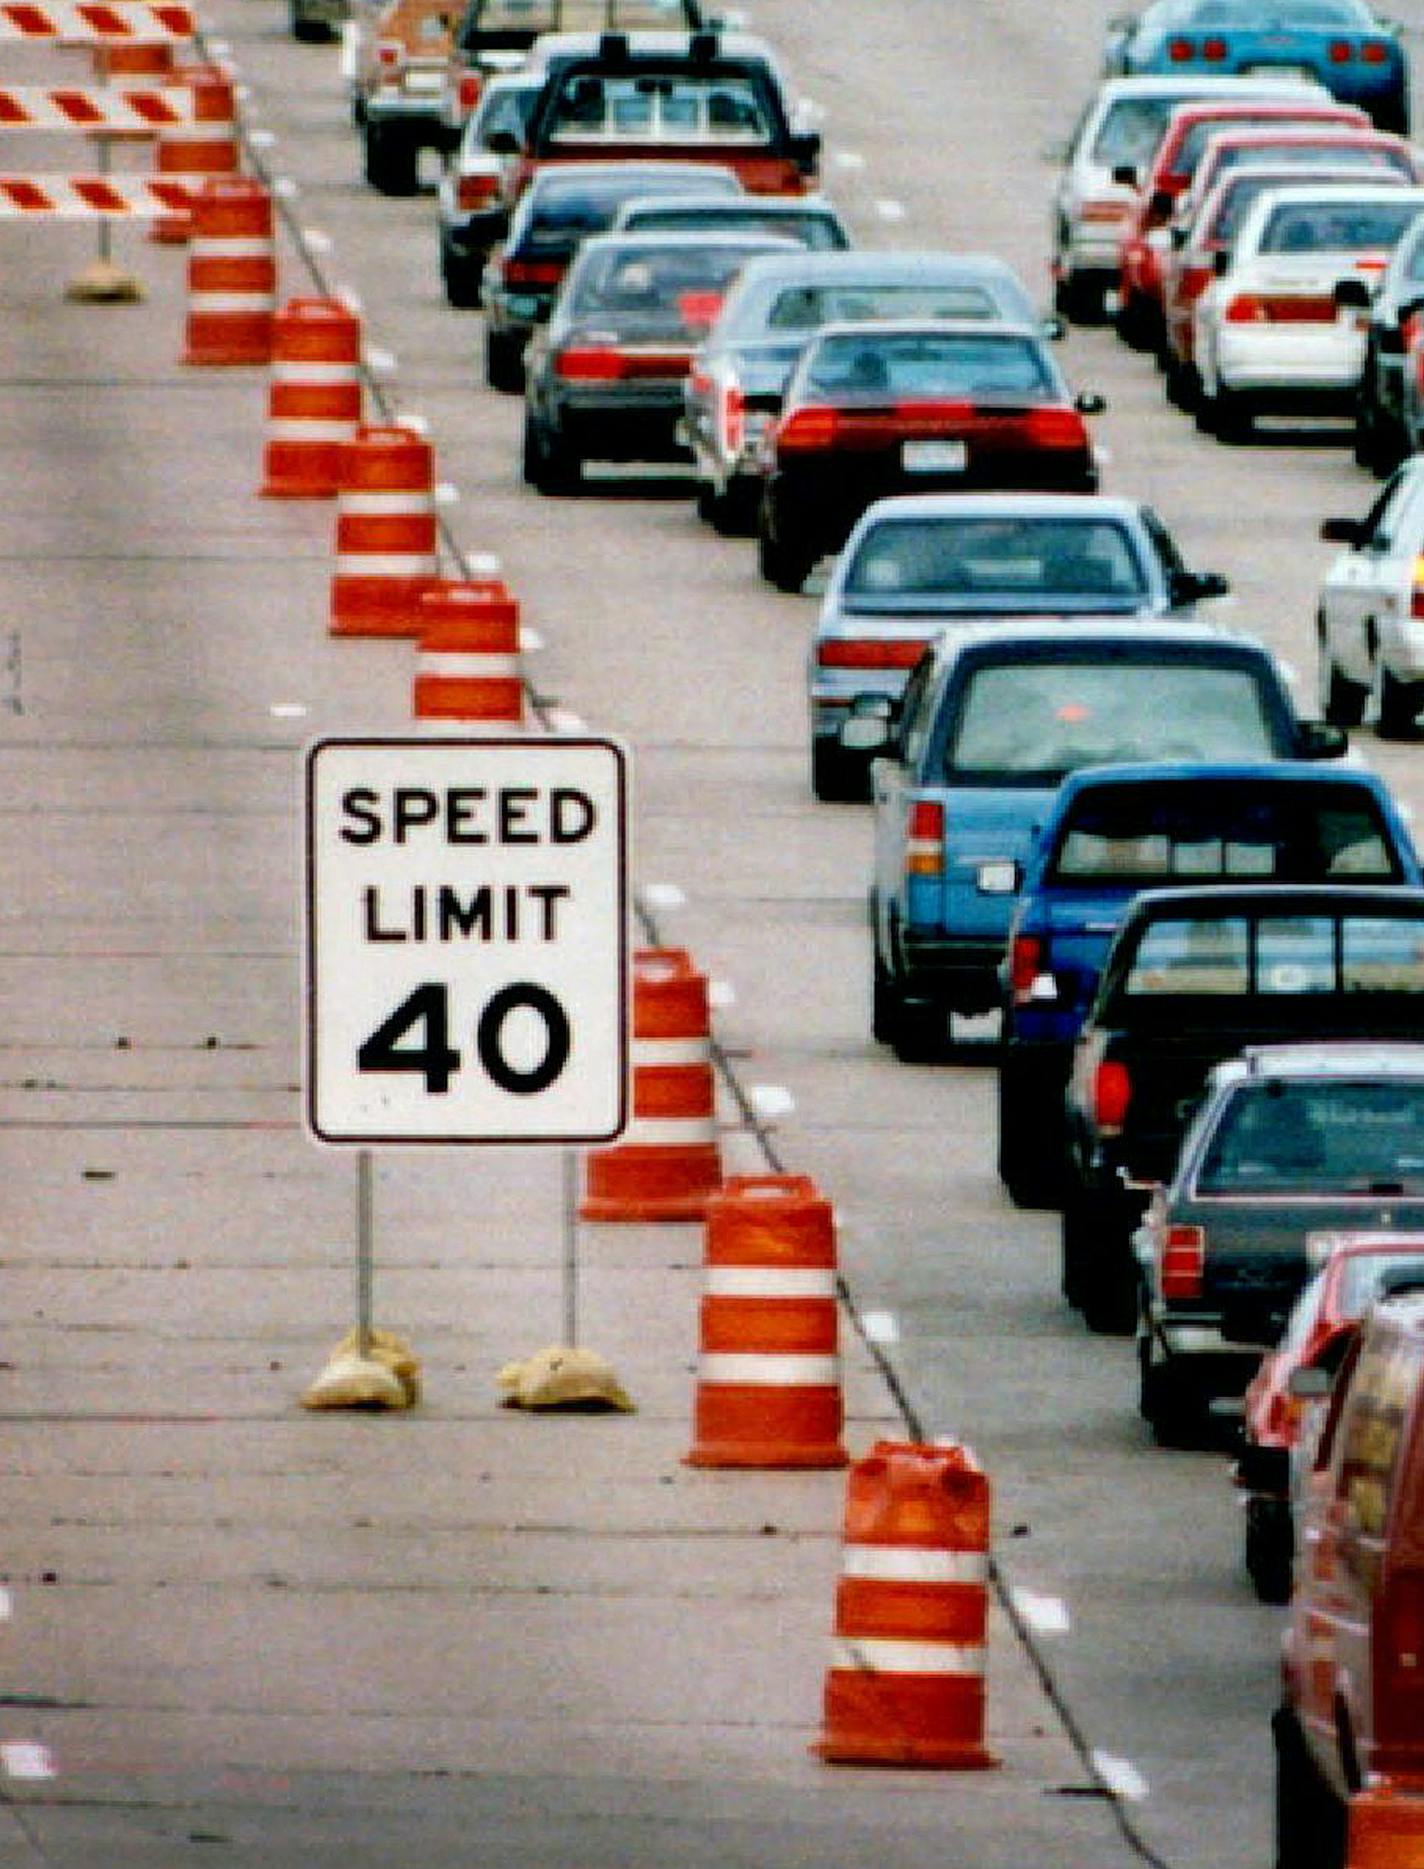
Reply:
x=103, y=283
x=561, y=1377
x=388, y=1377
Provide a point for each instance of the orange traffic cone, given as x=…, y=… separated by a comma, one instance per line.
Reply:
x=206, y=145
x=232, y=274
x=467, y=668
x=906, y=1682
x=314, y=399
x=385, y=533
x=768, y=1384
x=668, y=1162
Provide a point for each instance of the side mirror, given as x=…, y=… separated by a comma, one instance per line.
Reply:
x=1343, y=532
x=1352, y=293
x=1317, y=739
x=1089, y=402
x=1309, y=1382
x=806, y=150
x=1189, y=586
x=1126, y=174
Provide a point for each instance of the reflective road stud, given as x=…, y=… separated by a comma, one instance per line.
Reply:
x=385, y=533
x=314, y=402
x=768, y=1384
x=906, y=1682
x=668, y=1162
x=232, y=274
x=468, y=665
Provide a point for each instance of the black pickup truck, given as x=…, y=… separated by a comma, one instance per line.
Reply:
x=1194, y=976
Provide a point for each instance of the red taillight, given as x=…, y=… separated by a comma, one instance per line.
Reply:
x=1416, y=595
x=587, y=364
x=1280, y=308
x=1055, y=428
x=1214, y=49
x=467, y=91
x=924, y=845
x=390, y=54
x=1108, y=210
x=475, y=191
x=1375, y=52
x=1398, y=1668
x=1341, y=52
x=698, y=310
x=1025, y=965
x=862, y=652
x=1181, y=1262
x=1112, y=1093
x=1180, y=51
x=532, y=272
x=1192, y=281
x=807, y=431
x=734, y=418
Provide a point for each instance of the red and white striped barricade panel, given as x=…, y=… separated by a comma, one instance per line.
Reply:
x=123, y=110
x=98, y=22
x=92, y=197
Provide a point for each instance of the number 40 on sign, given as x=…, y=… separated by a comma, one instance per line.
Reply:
x=466, y=940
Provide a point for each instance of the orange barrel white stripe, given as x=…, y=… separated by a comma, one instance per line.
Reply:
x=1386, y=1828
x=468, y=667
x=386, y=556
x=768, y=1377
x=203, y=144
x=668, y=1162
x=906, y=1681
x=313, y=399
x=232, y=273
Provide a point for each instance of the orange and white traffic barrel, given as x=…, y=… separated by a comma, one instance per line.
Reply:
x=203, y=144
x=467, y=667
x=232, y=273
x=667, y=1162
x=906, y=1681
x=386, y=556
x=314, y=397
x=768, y=1374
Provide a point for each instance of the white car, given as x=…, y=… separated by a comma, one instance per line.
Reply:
x=1268, y=333
x=1371, y=610
x=1119, y=132
x=471, y=209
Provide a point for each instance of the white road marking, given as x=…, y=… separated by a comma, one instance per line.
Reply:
x=317, y=240
x=1046, y=1615
x=664, y=896
x=772, y=1100
x=446, y=493
x=27, y=1758
x=289, y=710
x=1120, y=1776
x=880, y=1326
x=890, y=210
x=848, y=159
x=285, y=187
x=263, y=139
x=721, y=994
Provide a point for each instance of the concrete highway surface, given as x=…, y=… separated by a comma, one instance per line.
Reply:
x=236, y=1632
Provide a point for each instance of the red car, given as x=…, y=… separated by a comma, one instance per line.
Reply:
x=1139, y=309
x=1359, y=1269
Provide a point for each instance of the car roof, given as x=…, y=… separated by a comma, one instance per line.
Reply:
x=1345, y=1057
x=871, y=328
x=767, y=206
x=1085, y=506
x=1112, y=635
x=571, y=175
x=869, y=266
x=1161, y=84
x=651, y=44
x=1222, y=899
x=1303, y=192
x=1190, y=772
x=632, y=240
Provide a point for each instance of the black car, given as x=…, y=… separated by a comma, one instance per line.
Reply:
x=1382, y=437
x=877, y=409
x=1194, y=976
x=560, y=208
x=604, y=378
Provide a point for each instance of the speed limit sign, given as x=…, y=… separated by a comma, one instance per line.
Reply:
x=466, y=940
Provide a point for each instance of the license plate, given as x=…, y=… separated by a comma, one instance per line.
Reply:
x=426, y=83
x=1278, y=71
x=934, y=457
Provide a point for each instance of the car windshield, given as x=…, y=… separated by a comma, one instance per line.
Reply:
x=680, y=286
x=1255, y=17
x=1006, y=564
x=1277, y=956
x=1042, y=719
x=1131, y=130
x=867, y=367
x=808, y=307
x=1335, y=226
x=653, y=107
x=1241, y=191
x=819, y=232
x=1327, y=1135
x=1158, y=834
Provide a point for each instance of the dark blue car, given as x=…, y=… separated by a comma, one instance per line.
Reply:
x=1115, y=830
x=1342, y=44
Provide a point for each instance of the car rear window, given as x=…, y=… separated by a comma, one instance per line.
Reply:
x=660, y=108
x=657, y=282
x=1131, y=130
x=1336, y=227
x=1038, y=720
x=1238, y=195
x=1025, y=559
x=807, y=308
x=559, y=217
x=817, y=232
x=1340, y=154
x=1200, y=133
x=1276, y=956
x=1327, y=1135
x=1153, y=834
x=540, y=16
x=926, y=364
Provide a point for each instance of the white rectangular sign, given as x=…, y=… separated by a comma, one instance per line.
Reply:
x=467, y=940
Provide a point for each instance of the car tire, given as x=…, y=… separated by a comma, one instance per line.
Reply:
x=731, y=513
x=1078, y=300
x=460, y=279
x=1134, y=323
x=309, y=31
x=504, y=362
x=884, y=1003
x=1182, y=384
x=782, y=565
x=1311, y=1822
x=1399, y=705
x=1098, y=1265
x=390, y=163
x=1032, y=1173
x=835, y=778
x=1269, y=1547
x=549, y=464
x=1233, y=419
x=1168, y=1399
x=1342, y=701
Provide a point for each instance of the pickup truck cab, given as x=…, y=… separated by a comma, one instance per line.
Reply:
x=990, y=723
x=1193, y=977
x=1115, y=830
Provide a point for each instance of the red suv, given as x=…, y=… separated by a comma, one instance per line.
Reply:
x=1349, y=1733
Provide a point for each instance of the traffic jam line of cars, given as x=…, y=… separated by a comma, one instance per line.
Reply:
x=1096, y=813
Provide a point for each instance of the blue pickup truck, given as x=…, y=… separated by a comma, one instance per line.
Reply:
x=1113, y=831
x=966, y=766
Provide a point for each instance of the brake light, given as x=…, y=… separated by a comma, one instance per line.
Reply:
x=1192, y=282
x=532, y=272
x=862, y=652
x=1112, y=1093
x=807, y=431
x=1180, y=51
x=1375, y=52
x=1025, y=965
x=1114, y=210
x=1300, y=308
x=1341, y=52
x=587, y=364
x=1181, y=1261
x=467, y=92
x=698, y=310
x=924, y=845
x=390, y=54
x=1416, y=595
x=1055, y=428
x=1214, y=49
x=476, y=191
x=734, y=418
